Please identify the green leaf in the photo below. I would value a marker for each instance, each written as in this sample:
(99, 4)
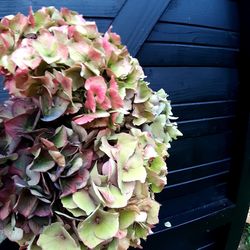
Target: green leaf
(55, 236)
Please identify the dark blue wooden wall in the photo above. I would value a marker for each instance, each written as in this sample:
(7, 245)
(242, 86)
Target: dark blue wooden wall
(192, 53)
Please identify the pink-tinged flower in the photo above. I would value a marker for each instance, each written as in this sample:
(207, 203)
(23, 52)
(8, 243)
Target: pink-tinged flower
(7, 42)
(49, 48)
(86, 118)
(113, 37)
(96, 92)
(115, 98)
(65, 82)
(31, 18)
(26, 57)
(18, 82)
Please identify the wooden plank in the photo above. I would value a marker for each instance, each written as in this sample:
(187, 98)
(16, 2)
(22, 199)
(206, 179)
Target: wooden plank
(198, 110)
(239, 190)
(188, 152)
(135, 21)
(95, 8)
(13, 7)
(180, 33)
(184, 188)
(206, 126)
(188, 84)
(221, 14)
(191, 200)
(162, 54)
(3, 93)
(200, 226)
(198, 171)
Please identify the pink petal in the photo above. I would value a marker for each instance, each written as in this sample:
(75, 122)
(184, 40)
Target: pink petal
(90, 101)
(106, 104)
(86, 118)
(31, 19)
(116, 99)
(107, 168)
(96, 91)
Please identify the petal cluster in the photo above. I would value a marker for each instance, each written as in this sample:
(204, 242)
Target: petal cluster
(83, 138)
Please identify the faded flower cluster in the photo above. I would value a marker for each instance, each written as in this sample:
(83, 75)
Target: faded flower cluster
(83, 139)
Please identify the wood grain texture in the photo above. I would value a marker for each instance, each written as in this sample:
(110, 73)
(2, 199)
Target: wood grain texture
(209, 223)
(206, 126)
(221, 14)
(194, 84)
(135, 26)
(95, 8)
(199, 110)
(199, 150)
(198, 171)
(163, 54)
(191, 200)
(181, 33)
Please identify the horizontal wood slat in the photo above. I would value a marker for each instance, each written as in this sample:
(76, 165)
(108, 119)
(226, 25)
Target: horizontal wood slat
(159, 54)
(221, 14)
(199, 171)
(207, 223)
(179, 33)
(95, 8)
(184, 188)
(206, 126)
(194, 84)
(198, 110)
(135, 26)
(188, 152)
(200, 197)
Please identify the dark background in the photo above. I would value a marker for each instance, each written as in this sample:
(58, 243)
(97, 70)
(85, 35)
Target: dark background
(193, 53)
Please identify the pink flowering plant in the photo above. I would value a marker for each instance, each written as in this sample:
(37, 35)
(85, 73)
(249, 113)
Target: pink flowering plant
(83, 139)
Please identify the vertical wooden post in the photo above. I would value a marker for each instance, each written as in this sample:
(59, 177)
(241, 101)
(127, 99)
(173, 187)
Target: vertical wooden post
(239, 185)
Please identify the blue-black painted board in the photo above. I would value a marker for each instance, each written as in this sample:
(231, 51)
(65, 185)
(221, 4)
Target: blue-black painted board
(163, 54)
(194, 84)
(199, 110)
(192, 200)
(222, 14)
(206, 126)
(95, 8)
(208, 223)
(189, 152)
(198, 171)
(135, 21)
(181, 33)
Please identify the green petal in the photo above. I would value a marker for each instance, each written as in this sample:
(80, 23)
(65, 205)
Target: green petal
(158, 164)
(60, 138)
(108, 225)
(55, 236)
(84, 201)
(77, 212)
(127, 217)
(99, 227)
(68, 202)
(13, 233)
(143, 93)
(134, 170)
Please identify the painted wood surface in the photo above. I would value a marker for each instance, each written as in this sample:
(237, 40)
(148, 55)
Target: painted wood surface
(191, 49)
